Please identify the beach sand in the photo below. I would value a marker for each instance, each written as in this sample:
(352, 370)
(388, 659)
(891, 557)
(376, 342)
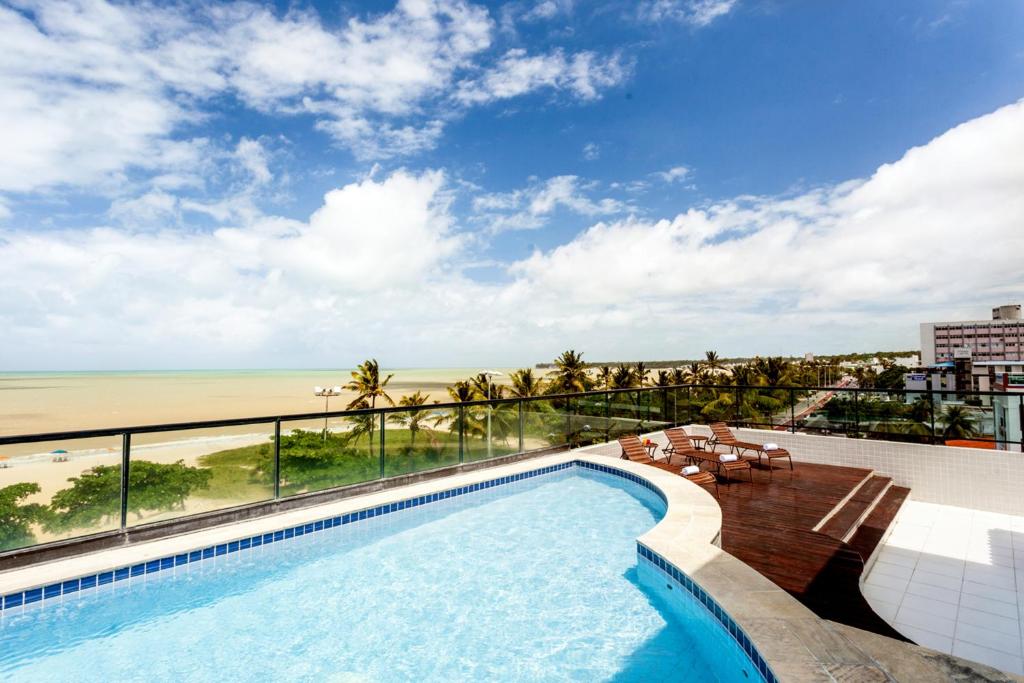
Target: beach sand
(32, 403)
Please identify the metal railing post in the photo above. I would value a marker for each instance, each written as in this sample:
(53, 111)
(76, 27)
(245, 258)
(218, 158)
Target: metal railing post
(689, 405)
(931, 411)
(277, 458)
(737, 415)
(856, 415)
(126, 448)
(521, 425)
(383, 421)
(462, 435)
(1020, 421)
(792, 412)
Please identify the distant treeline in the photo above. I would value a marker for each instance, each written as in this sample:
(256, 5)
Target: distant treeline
(822, 358)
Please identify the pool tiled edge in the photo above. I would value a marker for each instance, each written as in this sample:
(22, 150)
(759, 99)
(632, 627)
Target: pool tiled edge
(735, 631)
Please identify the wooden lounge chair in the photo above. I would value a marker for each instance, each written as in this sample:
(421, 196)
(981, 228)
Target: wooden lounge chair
(699, 478)
(724, 436)
(679, 442)
(633, 450)
(703, 479)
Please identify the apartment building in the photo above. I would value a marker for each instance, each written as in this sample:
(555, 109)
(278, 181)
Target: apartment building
(998, 339)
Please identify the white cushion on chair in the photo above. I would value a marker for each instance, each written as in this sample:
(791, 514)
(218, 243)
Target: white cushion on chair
(771, 447)
(728, 457)
(690, 469)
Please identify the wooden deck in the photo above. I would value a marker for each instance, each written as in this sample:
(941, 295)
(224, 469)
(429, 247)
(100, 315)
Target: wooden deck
(769, 525)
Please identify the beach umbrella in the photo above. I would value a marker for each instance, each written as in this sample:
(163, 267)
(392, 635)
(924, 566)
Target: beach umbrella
(58, 451)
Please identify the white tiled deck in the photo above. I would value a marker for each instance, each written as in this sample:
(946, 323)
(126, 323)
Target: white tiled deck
(952, 579)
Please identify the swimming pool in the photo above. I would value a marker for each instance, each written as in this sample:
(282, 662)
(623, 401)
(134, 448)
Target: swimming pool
(539, 579)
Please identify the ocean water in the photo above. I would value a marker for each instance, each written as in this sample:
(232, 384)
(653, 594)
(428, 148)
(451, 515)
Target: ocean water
(533, 581)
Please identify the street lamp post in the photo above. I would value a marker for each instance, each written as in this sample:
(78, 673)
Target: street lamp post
(327, 393)
(489, 374)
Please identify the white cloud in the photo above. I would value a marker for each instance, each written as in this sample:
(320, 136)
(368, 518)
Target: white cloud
(252, 157)
(584, 74)
(673, 175)
(173, 294)
(377, 270)
(529, 207)
(894, 245)
(94, 93)
(591, 151)
(544, 10)
(697, 13)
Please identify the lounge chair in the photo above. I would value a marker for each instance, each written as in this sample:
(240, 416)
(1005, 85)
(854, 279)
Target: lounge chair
(721, 434)
(679, 442)
(633, 450)
(699, 478)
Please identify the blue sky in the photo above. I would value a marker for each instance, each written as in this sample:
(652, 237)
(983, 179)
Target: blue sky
(441, 182)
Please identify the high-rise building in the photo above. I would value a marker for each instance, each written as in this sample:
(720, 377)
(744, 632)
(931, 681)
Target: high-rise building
(998, 339)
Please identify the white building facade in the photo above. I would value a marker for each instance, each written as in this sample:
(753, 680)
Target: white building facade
(1000, 339)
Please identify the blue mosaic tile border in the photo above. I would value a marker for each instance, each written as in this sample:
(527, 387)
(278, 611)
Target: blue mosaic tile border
(681, 579)
(71, 586)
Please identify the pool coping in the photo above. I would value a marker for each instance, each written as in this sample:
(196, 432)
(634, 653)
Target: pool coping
(683, 545)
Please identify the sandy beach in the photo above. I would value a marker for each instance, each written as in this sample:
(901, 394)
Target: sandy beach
(39, 402)
(50, 402)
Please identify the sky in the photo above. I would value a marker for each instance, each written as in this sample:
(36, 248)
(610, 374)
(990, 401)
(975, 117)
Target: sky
(452, 183)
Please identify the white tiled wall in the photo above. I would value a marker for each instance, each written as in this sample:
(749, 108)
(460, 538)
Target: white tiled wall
(963, 477)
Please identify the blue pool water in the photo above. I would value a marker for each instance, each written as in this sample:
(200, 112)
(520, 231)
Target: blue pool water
(536, 580)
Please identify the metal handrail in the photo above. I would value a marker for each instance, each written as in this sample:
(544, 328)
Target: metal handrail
(271, 419)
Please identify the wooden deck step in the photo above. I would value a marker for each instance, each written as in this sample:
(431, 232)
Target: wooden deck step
(872, 530)
(843, 524)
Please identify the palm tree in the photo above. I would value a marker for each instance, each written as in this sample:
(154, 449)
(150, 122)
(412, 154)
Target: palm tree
(412, 419)
(623, 377)
(663, 379)
(363, 423)
(462, 391)
(484, 387)
(640, 372)
(712, 362)
(678, 376)
(694, 374)
(604, 377)
(570, 374)
(776, 371)
(959, 423)
(524, 384)
(367, 385)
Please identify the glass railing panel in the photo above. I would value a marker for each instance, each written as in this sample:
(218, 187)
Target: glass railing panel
(419, 439)
(656, 410)
(322, 454)
(763, 408)
(591, 421)
(56, 490)
(894, 416)
(185, 472)
(625, 413)
(713, 404)
(966, 420)
(546, 424)
(492, 430)
(827, 412)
